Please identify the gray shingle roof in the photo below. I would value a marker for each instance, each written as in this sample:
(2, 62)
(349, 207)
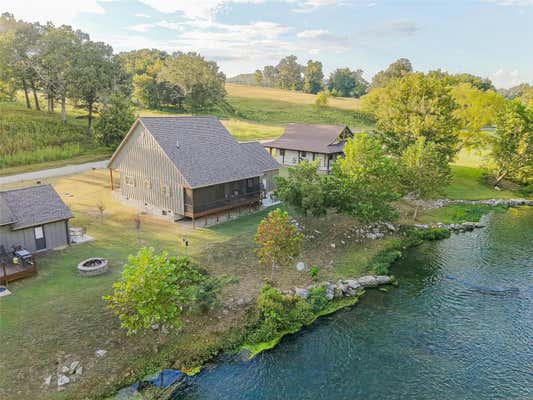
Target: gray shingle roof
(207, 154)
(6, 216)
(310, 137)
(33, 206)
(259, 155)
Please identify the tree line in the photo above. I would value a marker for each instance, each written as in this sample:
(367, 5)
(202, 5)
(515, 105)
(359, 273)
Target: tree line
(289, 74)
(61, 64)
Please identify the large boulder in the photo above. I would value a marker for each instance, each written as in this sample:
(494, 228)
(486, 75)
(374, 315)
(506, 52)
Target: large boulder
(368, 281)
(301, 292)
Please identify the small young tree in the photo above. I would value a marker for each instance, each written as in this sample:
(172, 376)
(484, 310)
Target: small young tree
(322, 98)
(303, 189)
(424, 171)
(513, 143)
(156, 289)
(101, 209)
(364, 182)
(279, 241)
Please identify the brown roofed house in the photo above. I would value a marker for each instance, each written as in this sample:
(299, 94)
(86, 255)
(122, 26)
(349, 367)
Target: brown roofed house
(34, 218)
(309, 142)
(189, 167)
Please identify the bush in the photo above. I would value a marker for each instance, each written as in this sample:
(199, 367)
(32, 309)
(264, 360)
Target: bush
(430, 234)
(313, 272)
(381, 262)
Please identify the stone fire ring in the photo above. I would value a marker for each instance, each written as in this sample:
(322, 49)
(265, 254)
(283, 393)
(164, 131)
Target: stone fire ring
(93, 267)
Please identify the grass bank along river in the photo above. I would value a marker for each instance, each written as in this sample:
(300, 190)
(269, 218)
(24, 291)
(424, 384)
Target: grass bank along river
(460, 326)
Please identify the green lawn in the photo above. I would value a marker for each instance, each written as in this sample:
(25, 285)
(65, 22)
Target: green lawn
(467, 184)
(59, 316)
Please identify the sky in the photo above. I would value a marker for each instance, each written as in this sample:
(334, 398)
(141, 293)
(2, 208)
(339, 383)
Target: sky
(490, 38)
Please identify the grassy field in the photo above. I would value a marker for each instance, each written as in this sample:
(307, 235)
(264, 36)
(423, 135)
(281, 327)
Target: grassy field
(58, 317)
(290, 96)
(31, 137)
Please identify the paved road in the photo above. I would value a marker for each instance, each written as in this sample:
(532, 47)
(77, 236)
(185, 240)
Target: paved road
(48, 173)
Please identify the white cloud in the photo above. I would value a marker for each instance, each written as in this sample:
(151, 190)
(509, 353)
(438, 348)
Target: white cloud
(142, 15)
(394, 28)
(60, 11)
(313, 34)
(193, 8)
(306, 6)
(174, 26)
(141, 27)
(507, 78)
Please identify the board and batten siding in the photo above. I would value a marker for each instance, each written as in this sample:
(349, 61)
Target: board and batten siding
(55, 234)
(145, 170)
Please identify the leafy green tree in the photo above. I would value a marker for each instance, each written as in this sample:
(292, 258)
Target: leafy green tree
(364, 182)
(278, 241)
(512, 144)
(199, 80)
(397, 69)
(476, 110)
(116, 117)
(57, 48)
(303, 189)
(92, 76)
(313, 77)
(157, 289)
(414, 106)
(322, 98)
(424, 171)
(270, 76)
(289, 73)
(477, 82)
(346, 83)
(18, 46)
(258, 76)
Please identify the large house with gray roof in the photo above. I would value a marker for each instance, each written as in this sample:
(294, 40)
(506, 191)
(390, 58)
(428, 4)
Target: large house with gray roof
(307, 142)
(189, 167)
(34, 218)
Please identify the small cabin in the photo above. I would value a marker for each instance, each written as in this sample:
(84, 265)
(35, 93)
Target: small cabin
(309, 142)
(34, 218)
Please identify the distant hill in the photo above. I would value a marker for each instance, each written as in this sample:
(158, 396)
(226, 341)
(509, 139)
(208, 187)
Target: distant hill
(243, 79)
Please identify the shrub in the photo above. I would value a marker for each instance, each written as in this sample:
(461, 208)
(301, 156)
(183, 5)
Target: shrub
(313, 272)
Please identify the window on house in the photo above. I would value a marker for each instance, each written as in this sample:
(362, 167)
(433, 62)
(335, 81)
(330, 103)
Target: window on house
(281, 152)
(303, 154)
(129, 181)
(165, 189)
(250, 183)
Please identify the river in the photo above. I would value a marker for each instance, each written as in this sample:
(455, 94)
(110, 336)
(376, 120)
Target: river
(459, 326)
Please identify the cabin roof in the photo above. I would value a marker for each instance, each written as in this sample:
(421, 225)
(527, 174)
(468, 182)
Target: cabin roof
(32, 206)
(315, 138)
(202, 150)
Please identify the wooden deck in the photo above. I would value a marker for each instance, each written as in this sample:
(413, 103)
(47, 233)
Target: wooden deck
(10, 272)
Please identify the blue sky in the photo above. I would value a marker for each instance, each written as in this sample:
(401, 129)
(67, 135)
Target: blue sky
(492, 38)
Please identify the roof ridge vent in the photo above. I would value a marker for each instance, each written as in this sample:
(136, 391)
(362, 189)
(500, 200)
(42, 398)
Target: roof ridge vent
(178, 143)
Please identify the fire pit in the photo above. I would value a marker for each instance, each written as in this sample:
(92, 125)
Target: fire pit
(93, 267)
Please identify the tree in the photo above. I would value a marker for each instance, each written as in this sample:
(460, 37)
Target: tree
(363, 183)
(424, 171)
(414, 106)
(93, 75)
(477, 82)
(270, 76)
(57, 48)
(18, 43)
(512, 144)
(199, 81)
(289, 74)
(313, 77)
(157, 289)
(116, 118)
(476, 110)
(303, 189)
(258, 76)
(397, 69)
(346, 83)
(279, 241)
(322, 98)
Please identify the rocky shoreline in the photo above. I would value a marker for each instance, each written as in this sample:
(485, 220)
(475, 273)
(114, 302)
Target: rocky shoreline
(344, 287)
(439, 203)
